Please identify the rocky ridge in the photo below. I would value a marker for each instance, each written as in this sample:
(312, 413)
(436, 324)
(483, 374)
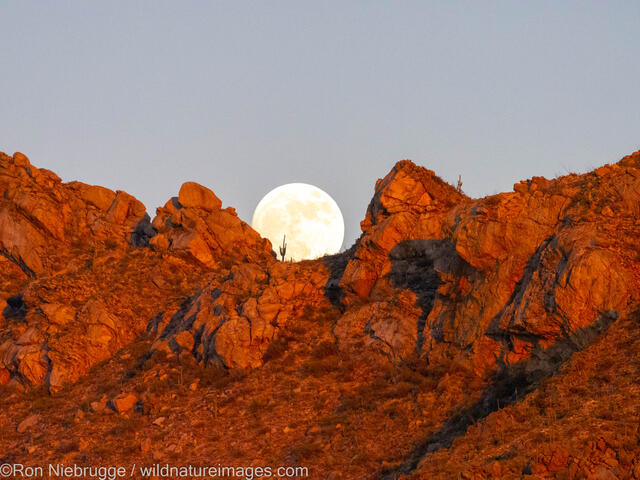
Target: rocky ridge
(489, 298)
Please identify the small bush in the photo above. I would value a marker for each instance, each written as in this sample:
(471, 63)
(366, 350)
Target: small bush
(127, 426)
(297, 329)
(333, 420)
(276, 349)
(306, 450)
(41, 399)
(319, 367)
(324, 349)
(68, 447)
(255, 407)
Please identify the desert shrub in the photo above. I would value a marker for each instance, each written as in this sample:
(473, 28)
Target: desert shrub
(296, 329)
(352, 403)
(126, 426)
(400, 390)
(110, 244)
(276, 349)
(578, 390)
(393, 410)
(169, 383)
(599, 379)
(40, 398)
(148, 359)
(333, 420)
(324, 349)
(606, 411)
(305, 451)
(215, 377)
(325, 315)
(367, 397)
(546, 397)
(322, 316)
(319, 367)
(238, 374)
(68, 447)
(540, 403)
(319, 402)
(416, 371)
(254, 407)
(261, 430)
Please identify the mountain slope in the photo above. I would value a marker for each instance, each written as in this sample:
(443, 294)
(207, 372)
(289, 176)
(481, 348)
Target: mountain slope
(490, 337)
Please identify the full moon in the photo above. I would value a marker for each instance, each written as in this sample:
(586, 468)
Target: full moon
(308, 216)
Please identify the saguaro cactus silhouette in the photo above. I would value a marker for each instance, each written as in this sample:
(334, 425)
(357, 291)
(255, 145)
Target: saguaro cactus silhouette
(283, 248)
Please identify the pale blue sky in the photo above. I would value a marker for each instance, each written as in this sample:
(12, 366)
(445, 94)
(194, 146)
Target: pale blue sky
(245, 96)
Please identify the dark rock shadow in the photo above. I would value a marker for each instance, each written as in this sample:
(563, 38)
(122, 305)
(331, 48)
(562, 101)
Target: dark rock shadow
(336, 264)
(16, 309)
(417, 265)
(142, 233)
(517, 297)
(511, 383)
(20, 263)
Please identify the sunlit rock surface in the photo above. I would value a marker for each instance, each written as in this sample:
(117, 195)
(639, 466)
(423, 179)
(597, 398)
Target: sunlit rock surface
(458, 337)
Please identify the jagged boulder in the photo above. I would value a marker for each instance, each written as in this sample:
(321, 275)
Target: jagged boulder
(410, 202)
(195, 223)
(42, 220)
(435, 274)
(233, 321)
(495, 278)
(194, 195)
(79, 284)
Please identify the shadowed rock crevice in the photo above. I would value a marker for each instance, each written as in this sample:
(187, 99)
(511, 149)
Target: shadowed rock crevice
(21, 264)
(418, 265)
(16, 309)
(518, 296)
(511, 383)
(183, 319)
(336, 264)
(142, 233)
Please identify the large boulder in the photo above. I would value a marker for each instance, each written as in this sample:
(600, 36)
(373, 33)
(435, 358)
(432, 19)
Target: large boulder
(194, 223)
(234, 319)
(43, 221)
(498, 277)
(194, 195)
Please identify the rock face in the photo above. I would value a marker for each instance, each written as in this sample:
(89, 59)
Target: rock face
(81, 281)
(434, 274)
(39, 214)
(499, 277)
(445, 317)
(195, 223)
(234, 320)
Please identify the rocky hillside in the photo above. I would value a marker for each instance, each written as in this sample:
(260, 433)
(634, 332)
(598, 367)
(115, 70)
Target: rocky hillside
(458, 338)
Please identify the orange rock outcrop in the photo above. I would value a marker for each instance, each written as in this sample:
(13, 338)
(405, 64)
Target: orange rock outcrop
(403, 356)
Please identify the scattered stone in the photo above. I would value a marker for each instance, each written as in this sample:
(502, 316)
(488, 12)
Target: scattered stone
(29, 422)
(100, 405)
(5, 377)
(79, 415)
(125, 402)
(145, 445)
(195, 195)
(159, 421)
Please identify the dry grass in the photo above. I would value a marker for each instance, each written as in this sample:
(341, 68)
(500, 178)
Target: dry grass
(352, 412)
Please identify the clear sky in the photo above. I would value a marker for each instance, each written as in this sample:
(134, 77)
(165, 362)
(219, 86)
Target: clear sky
(245, 96)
